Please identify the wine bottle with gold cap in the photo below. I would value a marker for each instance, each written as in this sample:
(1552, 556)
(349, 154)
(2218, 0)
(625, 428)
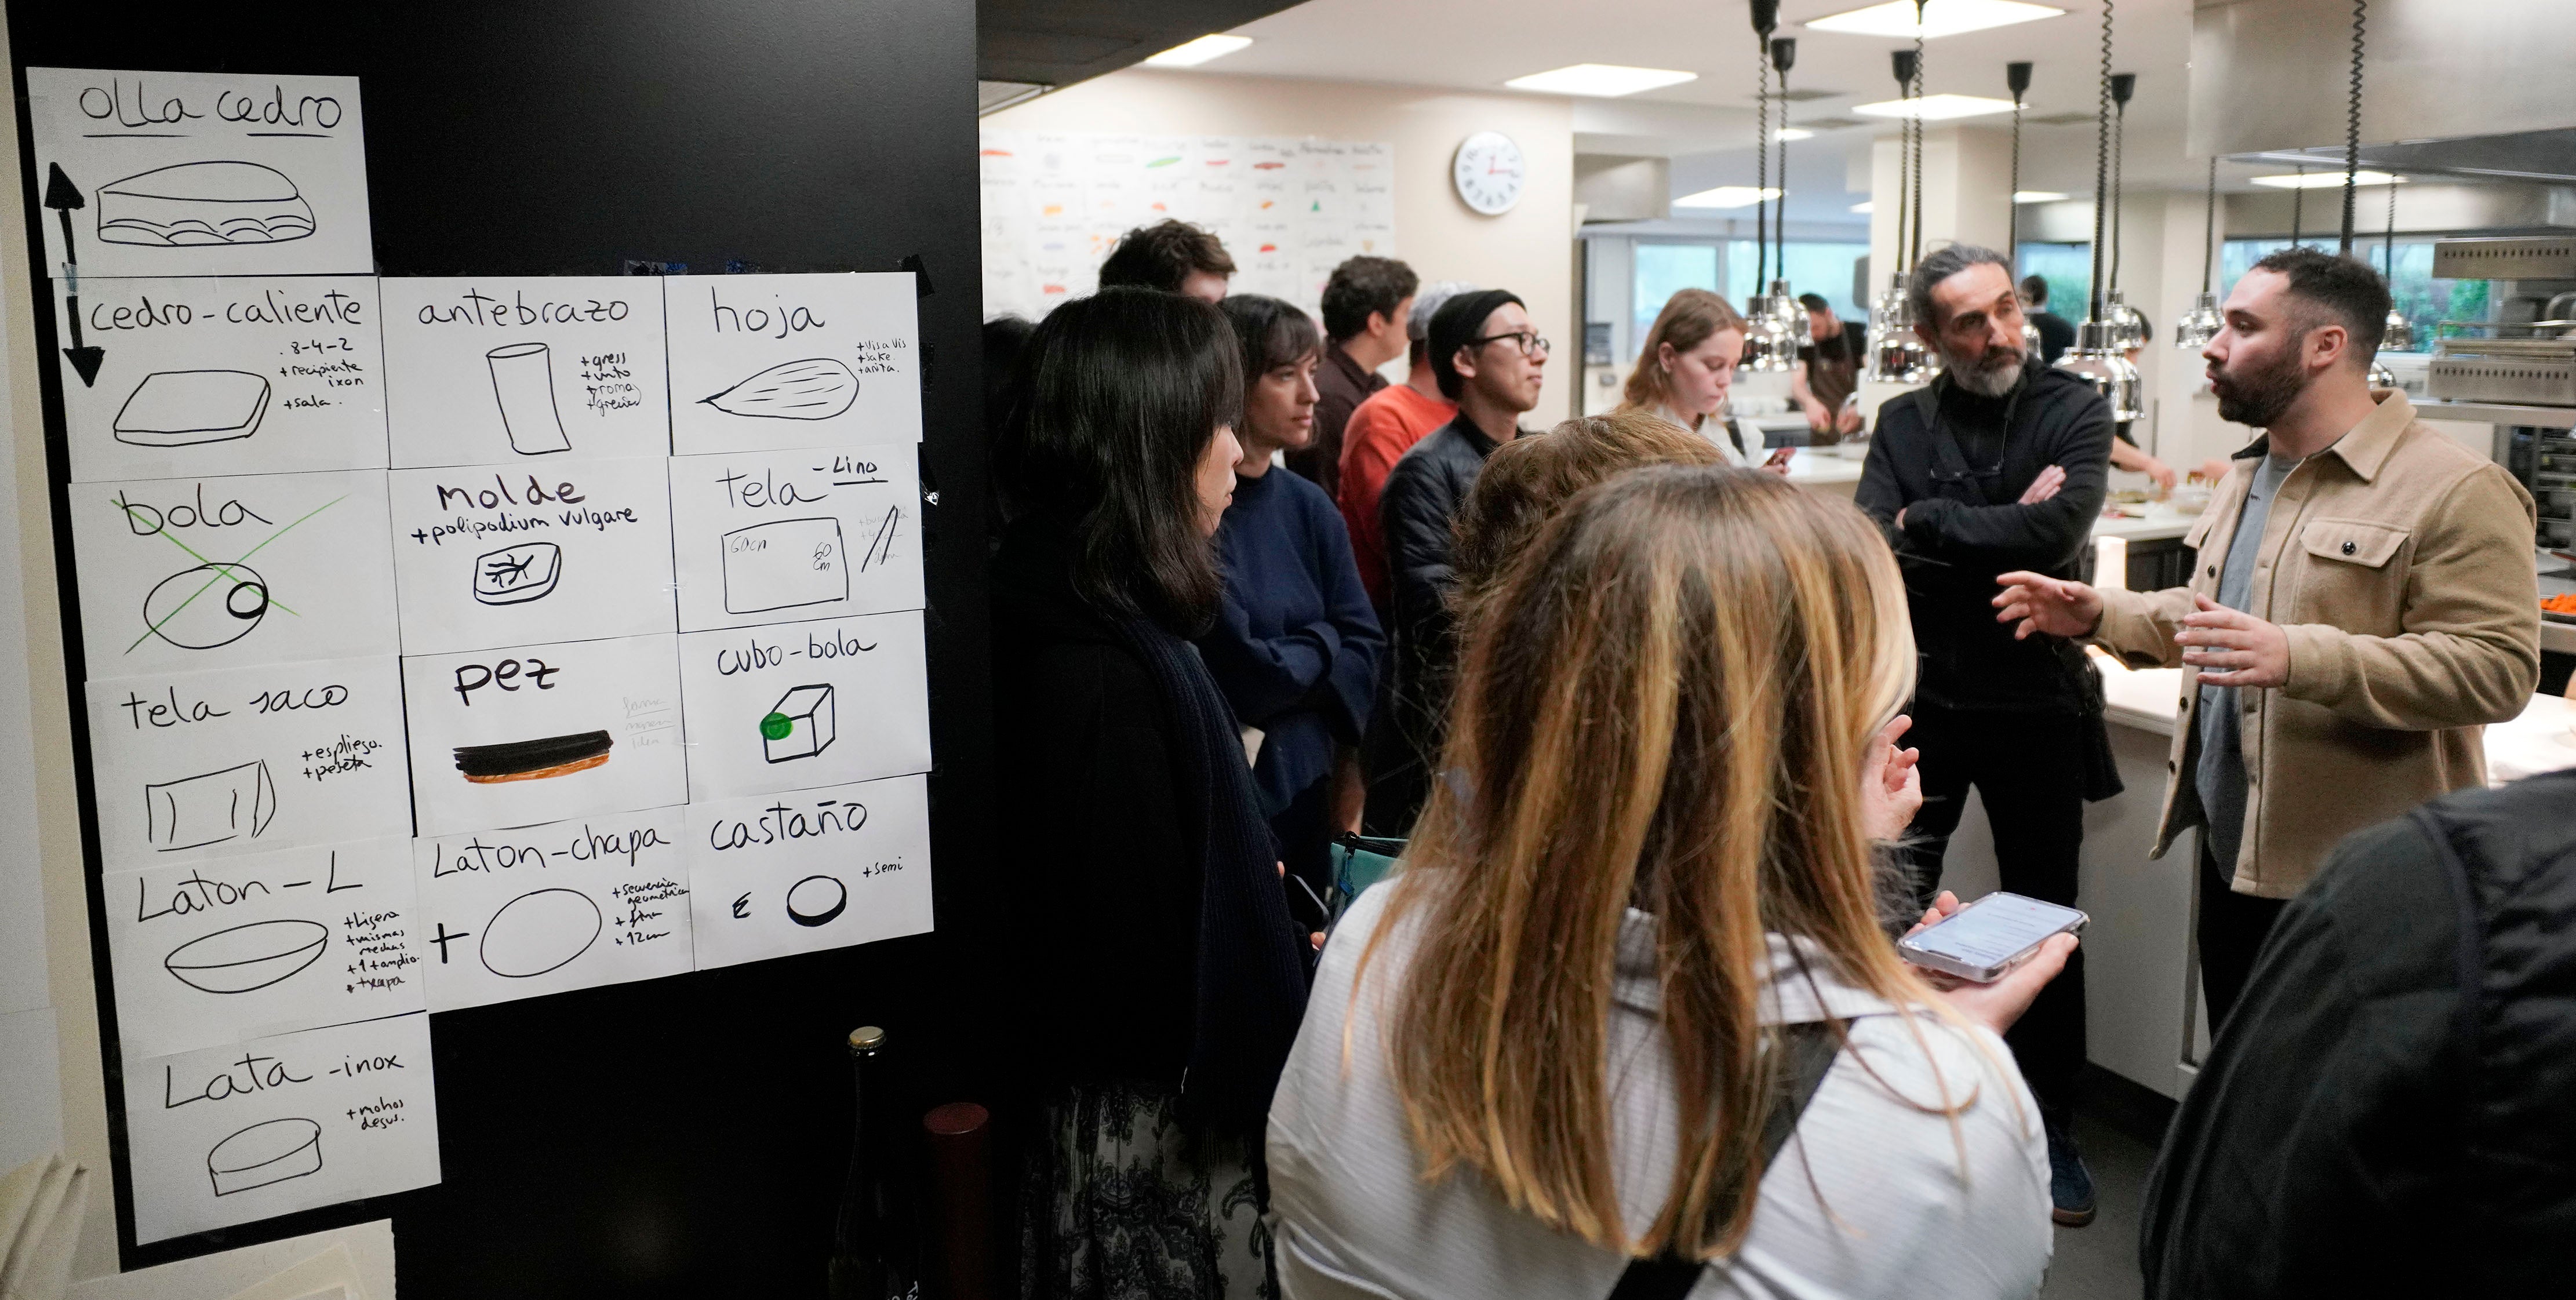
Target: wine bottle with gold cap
(873, 1253)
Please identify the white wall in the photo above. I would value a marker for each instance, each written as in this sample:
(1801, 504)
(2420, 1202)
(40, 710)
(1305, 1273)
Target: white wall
(1528, 250)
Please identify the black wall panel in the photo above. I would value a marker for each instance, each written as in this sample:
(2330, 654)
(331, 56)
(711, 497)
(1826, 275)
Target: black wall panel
(682, 1137)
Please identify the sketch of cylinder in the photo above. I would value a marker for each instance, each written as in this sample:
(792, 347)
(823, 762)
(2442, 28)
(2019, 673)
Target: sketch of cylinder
(209, 808)
(523, 381)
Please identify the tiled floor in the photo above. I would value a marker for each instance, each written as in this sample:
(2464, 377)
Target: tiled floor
(2099, 1261)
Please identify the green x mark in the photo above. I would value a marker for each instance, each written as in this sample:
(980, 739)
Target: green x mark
(222, 568)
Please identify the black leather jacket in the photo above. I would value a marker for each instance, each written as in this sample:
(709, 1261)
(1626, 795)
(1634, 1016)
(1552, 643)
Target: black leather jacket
(1416, 511)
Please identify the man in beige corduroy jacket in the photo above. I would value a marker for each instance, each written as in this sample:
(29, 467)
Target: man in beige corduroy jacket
(2362, 602)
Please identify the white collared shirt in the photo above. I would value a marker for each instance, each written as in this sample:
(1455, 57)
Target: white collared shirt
(1713, 428)
(1892, 1209)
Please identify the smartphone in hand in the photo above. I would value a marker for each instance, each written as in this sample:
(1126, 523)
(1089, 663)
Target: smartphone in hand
(1987, 938)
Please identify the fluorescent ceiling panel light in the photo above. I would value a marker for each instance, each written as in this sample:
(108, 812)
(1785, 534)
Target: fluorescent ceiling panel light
(1194, 53)
(1726, 196)
(1935, 108)
(2036, 196)
(1604, 80)
(1864, 206)
(2327, 180)
(1793, 133)
(1940, 18)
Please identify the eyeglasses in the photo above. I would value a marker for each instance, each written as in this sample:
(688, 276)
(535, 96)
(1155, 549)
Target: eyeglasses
(1531, 342)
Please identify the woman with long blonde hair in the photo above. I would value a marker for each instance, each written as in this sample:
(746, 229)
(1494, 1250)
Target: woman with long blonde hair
(1546, 1050)
(1685, 370)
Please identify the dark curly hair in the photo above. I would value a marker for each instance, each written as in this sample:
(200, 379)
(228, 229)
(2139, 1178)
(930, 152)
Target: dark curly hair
(1164, 256)
(1362, 285)
(2334, 288)
(1115, 400)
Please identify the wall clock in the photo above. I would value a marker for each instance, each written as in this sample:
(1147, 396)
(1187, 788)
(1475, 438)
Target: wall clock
(1489, 172)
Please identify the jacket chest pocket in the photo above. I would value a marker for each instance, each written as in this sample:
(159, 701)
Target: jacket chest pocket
(2350, 574)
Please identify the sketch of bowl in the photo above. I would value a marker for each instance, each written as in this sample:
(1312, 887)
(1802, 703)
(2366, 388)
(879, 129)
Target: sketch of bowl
(248, 957)
(264, 1153)
(539, 932)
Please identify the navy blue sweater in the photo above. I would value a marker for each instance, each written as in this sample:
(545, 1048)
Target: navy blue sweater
(1296, 645)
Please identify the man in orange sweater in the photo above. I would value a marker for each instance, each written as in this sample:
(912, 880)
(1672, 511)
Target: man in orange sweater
(1381, 431)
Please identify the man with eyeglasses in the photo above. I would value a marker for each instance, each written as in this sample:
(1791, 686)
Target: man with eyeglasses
(1998, 466)
(1490, 360)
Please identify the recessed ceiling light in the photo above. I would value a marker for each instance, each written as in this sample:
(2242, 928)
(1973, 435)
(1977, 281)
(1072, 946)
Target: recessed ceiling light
(1606, 80)
(1793, 133)
(1726, 196)
(1935, 108)
(2327, 180)
(1940, 18)
(1864, 206)
(2036, 196)
(1194, 53)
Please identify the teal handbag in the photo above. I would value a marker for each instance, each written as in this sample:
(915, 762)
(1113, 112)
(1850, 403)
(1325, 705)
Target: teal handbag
(1360, 861)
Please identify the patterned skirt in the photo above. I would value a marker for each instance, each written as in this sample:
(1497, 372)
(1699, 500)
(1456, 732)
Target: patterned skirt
(1123, 1201)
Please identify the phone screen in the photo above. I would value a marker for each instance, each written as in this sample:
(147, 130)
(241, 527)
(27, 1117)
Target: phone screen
(1995, 930)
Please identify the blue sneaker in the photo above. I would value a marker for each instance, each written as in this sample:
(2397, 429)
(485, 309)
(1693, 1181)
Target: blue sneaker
(2070, 1184)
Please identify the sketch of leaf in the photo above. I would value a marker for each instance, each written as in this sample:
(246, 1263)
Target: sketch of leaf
(816, 388)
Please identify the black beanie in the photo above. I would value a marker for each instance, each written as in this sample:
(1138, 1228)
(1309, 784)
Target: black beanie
(1456, 322)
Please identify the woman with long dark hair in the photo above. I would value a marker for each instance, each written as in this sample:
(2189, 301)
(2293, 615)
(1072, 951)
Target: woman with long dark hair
(1162, 973)
(1296, 647)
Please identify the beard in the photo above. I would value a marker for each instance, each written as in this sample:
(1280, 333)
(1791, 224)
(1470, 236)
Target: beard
(1990, 373)
(2256, 394)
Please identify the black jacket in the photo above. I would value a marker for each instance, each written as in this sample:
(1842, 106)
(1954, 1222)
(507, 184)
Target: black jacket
(1417, 511)
(2391, 1110)
(1963, 528)
(1150, 931)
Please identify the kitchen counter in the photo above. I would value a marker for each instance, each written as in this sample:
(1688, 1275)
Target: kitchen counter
(2542, 739)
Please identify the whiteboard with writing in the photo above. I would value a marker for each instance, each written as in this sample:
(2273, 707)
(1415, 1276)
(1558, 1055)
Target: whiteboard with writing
(509, 370)
(779, 362)
(225, 375)
(220, 952)
(568, 905)
(195, 573)
(200, 173)
(252, 1130)
(791, 706)
(506, 555)
(518, 735)
(447, 641)
(191, 766)
(811, 870)
(765, 536)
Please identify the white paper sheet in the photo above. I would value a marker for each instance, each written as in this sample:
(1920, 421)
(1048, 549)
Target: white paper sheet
(628, 689)
(237, 375)
(195, 573)
(202, 173)
(546, 909)
(489, 555)
(765, 537)
(193, 766)
(493, 369)
(776, 362)
(775, 875)
(242, 1273)
(253, 1130)
(222, 952)
(793, 706)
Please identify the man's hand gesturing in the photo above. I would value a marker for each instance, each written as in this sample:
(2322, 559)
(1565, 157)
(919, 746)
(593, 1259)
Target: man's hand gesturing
(2038, 603)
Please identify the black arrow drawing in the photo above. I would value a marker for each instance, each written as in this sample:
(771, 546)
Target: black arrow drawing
(62, 197)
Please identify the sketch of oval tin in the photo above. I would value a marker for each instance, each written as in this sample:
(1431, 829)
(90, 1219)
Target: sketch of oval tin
(264, 1153)
(539, 932)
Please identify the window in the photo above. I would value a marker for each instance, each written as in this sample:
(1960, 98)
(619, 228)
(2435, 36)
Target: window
(2068, 268)
(1663, 270)
(1830, 271)
(2423, 300)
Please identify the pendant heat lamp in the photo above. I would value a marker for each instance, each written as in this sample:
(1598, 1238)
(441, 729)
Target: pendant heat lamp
(1770, 332)
(2017, 80)
(2096, 358)
(1897, 354)
(2203, 322)
(2128, 328)
(2398, 335)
